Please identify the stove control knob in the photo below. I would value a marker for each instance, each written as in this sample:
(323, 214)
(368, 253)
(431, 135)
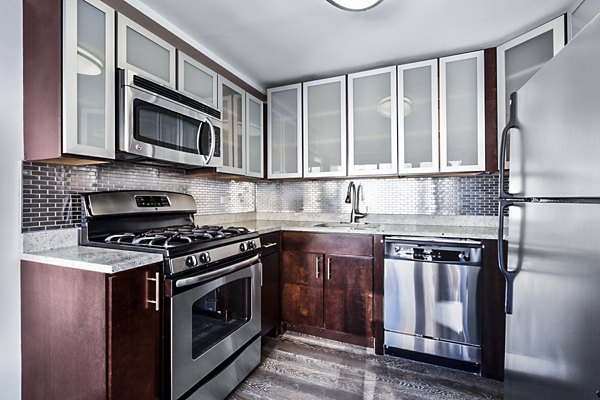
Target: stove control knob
(243, 247)
(191, 261)
(251, 244)
(204, 258)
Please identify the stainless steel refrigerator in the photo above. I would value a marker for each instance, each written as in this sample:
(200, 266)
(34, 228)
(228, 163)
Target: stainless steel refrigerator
(553, 267)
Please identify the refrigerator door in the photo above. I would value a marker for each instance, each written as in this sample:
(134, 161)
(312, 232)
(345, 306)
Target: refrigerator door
(553, 335)
(555, 150)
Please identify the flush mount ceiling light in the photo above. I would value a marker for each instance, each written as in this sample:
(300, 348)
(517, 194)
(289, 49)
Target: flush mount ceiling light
(355, 5)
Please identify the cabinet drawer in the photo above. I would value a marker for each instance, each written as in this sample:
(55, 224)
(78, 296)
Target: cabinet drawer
(329, 243)
(271, 242)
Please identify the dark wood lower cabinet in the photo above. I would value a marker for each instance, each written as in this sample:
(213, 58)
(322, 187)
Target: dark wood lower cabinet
(327, 285)
(89, 335)
(271, 290)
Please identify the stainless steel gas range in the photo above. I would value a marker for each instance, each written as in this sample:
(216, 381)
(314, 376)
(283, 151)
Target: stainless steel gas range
(210, 285)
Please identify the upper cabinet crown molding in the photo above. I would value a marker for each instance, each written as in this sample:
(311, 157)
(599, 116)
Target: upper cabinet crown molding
(144, 52)
(284, 137)
(520, 58)
(324, 127)
(372, 123)
(462, 113)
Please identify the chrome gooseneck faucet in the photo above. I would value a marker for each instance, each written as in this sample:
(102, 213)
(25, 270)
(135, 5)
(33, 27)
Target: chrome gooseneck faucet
(353, 197)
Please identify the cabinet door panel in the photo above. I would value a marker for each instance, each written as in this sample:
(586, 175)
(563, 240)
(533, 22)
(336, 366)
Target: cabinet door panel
(348, 300)
(134, 335)
(284, 139)
(271, 301)
(232, 101)
(302, 288)
(197, 80)
(254, 137)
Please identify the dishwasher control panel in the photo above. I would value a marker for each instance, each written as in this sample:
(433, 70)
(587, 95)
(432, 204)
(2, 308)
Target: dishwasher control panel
(436, 250)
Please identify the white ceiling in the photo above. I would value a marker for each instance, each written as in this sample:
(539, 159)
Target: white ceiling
(274, 42)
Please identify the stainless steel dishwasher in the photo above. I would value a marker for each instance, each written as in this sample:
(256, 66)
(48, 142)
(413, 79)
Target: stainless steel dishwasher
(432, 300)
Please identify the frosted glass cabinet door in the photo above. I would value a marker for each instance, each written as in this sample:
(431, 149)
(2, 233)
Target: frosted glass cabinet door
(88, 79)
(284, 136)
(145, 53)
(254, 137)
(233, 133)
(462, 118)
(324, 127)
(372, 123)
(196, 80)
(418, 147)
(519, 59)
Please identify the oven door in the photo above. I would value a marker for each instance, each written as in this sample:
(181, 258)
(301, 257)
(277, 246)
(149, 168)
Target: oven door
(156, 127)
(212, 320)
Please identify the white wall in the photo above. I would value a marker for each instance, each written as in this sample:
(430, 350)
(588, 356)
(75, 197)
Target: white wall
(11, 153)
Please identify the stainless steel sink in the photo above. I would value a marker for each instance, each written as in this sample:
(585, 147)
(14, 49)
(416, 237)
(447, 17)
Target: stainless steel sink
(351, 225)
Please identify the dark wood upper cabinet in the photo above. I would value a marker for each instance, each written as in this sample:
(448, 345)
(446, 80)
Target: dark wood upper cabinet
(327, 285)
(89, 335)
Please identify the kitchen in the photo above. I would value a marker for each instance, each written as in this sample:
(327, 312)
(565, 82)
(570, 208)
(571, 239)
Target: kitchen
(301, 184)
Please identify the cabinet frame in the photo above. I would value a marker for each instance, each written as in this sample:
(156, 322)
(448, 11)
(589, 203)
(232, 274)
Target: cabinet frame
(480, 166)
(260, 174)
(557, 26)
(343, 114)
(435, 143)
(122, 24)
(270, 173)
(182, 58)
(70, 132)
(393, 170)
(226, 168)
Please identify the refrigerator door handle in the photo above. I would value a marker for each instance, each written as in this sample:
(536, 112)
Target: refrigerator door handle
(512, 123)
(509, 276)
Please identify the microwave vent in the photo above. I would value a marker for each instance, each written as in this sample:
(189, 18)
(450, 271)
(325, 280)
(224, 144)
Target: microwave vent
(174, 95)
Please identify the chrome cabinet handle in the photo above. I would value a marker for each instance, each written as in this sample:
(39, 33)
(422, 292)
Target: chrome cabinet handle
(509, 125)
(156, 301)
(509, 276)
(328, 268)
(317, 267)
(267, 245)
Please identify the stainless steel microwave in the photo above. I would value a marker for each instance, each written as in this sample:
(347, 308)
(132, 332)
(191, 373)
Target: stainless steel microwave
(159, 125)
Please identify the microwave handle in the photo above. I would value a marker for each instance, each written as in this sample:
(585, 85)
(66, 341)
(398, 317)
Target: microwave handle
(211, 152)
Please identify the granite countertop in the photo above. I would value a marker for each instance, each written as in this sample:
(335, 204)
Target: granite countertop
(60, 247)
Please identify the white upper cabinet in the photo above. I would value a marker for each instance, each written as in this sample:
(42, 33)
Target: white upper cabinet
(462, 113)
(519, 59)
(196, 80)
(141, 51)
(418, 145)
(232, 101)
(324, 127)
(284, 138)
(254, 137)
(88, 79)
(372, 123)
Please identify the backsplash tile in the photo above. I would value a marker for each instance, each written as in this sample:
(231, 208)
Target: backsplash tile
(463, 195)
(51, 192)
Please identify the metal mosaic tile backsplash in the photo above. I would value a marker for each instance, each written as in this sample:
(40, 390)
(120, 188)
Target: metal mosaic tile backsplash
(51, 192)
(464, 195)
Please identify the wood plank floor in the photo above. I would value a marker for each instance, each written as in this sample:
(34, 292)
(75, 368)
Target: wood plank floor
(307, 368)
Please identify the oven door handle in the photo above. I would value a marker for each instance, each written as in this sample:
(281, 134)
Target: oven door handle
(214, 274)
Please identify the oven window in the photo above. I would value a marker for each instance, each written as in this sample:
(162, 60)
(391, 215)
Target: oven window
(219, 313)
(165, 128)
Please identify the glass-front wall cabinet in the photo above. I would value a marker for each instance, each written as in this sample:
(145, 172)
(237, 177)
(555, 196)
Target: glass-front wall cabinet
(88, 79)
(233, 115)
(372, 123)
(418, 145)
(284, 137)
(254, 137)
(196, 80)
(519, 59)
(142, 51)
(324, 127)
(462, 114)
